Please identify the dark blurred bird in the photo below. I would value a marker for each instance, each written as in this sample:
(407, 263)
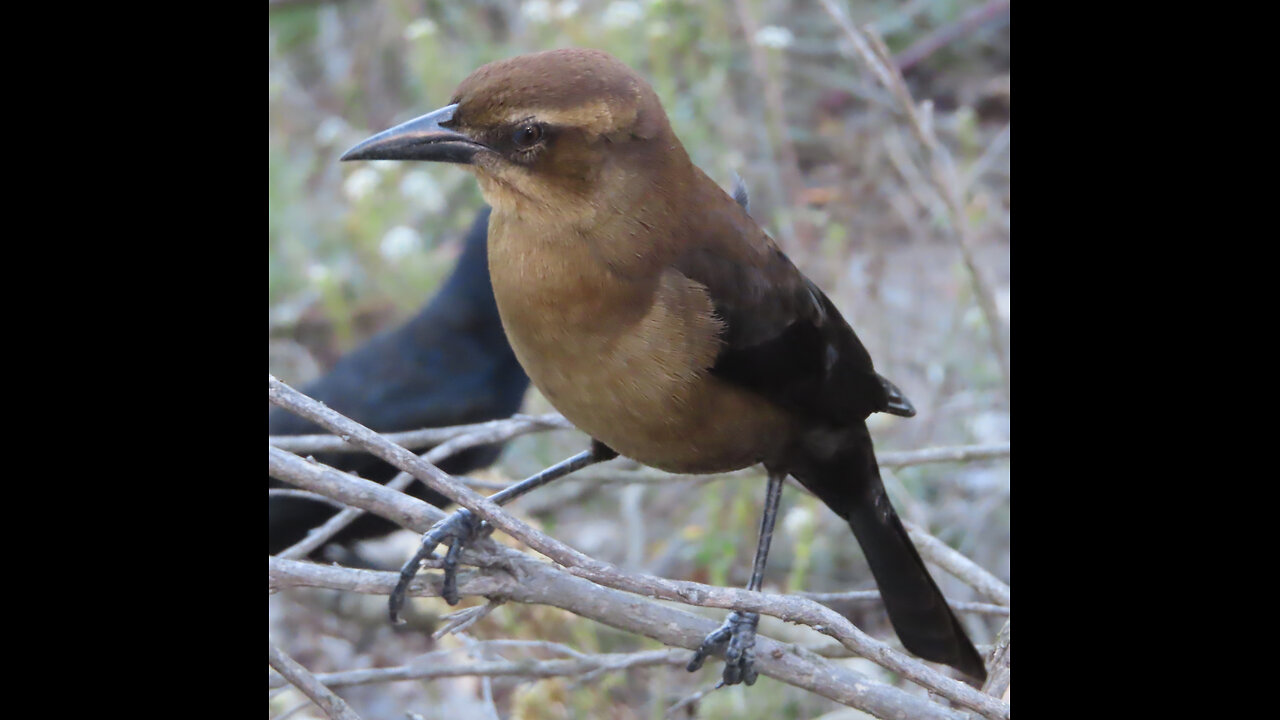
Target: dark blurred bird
(658, 317)
(449, 365)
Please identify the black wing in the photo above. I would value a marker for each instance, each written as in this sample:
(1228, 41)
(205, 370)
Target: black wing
(783, 337)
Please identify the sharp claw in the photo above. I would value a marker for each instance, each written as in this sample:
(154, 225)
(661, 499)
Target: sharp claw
(699, 657)
(736, 638)
(407, 572)
(450, 590)
(462, 528)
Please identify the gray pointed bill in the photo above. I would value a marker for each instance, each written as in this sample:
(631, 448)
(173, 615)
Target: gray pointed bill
(422, 138)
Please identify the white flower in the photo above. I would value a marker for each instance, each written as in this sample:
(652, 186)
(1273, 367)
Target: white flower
(421, 187)
(622, 13)
(538, 11)
(775, 37)
(420, 28)
(360, 183)
(400, 241)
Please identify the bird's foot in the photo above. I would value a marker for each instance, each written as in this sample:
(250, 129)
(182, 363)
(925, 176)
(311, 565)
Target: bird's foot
(459, 528)
(737, 638)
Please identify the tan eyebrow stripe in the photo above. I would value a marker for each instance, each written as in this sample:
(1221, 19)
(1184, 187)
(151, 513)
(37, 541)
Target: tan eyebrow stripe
(597, 117)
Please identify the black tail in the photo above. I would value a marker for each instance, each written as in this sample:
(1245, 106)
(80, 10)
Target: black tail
(850, 485)
(895, 403)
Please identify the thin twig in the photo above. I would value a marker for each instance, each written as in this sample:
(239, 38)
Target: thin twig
(465, 618)
(994, 150)
(793, 227)
(529, 668)
(889, 459)
(918, 186)
(481, 653)
(452, 440)
(544, 584)
(792, 609)
(874, 596)
(545, 645)
(937, 552)
(505, 429)
(871, 50)
(957, 453)
(695, 697)
(971, 20)
(301, 678)
(997, 684)
(303, 495)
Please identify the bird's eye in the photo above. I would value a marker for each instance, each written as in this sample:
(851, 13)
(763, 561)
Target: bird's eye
(526, 136)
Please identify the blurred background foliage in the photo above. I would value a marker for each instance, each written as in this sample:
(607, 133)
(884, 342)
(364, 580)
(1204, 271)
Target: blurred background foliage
(767, 89)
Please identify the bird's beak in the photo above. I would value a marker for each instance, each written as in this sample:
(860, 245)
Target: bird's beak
(419, 139)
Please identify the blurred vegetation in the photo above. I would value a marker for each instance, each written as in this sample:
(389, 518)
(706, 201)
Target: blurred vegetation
(356, 248)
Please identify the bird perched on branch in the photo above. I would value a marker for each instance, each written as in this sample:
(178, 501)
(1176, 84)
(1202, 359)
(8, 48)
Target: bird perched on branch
(658, 317)
(449, 365)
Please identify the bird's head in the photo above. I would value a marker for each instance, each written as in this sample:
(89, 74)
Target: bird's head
(552, 130)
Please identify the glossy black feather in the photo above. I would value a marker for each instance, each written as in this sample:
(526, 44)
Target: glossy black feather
(449, 365)
(783, 337)
(848, 481)
(785, 340)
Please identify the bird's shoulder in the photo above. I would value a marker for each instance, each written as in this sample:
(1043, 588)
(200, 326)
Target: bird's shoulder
(782, 337)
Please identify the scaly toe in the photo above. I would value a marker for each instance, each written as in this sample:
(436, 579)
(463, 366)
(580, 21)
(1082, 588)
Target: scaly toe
(736, 638)
(461, 527)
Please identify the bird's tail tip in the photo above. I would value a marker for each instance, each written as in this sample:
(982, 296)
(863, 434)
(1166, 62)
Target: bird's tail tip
(740, 194)
(895, 402)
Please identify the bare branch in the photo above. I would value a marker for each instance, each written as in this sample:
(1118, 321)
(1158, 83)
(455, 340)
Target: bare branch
(870, 49)
(528, 668)
(994, 150)
(465, 618)
(545, 645)
(452, 440)
(695, 697)
(890, 459)
(301, 678)
(959, 453)
(792, 226)
(937, 552)
(544, 584)
(304, 495)
(874, 596)
(789, 608)
(997, 684)
(499, 430)
(971, 20)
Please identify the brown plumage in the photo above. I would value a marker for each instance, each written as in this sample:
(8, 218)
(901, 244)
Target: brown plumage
(657, 316)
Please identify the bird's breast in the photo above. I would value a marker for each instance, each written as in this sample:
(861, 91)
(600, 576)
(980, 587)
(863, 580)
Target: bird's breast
(628, 360)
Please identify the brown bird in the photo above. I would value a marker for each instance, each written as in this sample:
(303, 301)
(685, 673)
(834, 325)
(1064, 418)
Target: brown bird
(657, 316)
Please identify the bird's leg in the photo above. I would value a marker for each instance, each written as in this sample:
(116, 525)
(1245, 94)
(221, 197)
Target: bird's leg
(737, 636)
(463, 526)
